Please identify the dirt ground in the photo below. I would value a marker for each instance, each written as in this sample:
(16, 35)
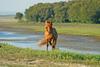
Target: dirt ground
(40, 63)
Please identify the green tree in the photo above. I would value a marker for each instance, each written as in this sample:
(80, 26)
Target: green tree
(82, 11)
(19, 16)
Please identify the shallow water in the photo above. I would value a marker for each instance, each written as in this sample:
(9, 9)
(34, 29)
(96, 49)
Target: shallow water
(72, 43)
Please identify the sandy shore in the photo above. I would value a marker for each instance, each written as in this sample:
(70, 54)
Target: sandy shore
(41, 63)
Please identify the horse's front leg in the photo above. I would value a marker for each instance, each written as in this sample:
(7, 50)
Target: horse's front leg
(47, 46)
(53, 44)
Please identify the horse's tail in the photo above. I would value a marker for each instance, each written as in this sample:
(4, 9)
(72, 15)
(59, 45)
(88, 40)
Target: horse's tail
(43, 42)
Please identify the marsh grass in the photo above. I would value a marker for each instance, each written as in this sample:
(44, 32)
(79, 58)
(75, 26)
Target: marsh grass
(9, 52)
(62, 28)
(79, 29)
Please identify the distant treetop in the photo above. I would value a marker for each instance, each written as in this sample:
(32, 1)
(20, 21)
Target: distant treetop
(82, 11)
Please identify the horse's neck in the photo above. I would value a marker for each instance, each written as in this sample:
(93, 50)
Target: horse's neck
(49, 29)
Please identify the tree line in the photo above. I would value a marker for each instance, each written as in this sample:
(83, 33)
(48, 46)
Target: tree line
(74, 11)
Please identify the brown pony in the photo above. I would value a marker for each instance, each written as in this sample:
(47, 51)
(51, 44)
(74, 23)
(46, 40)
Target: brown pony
(50, 35)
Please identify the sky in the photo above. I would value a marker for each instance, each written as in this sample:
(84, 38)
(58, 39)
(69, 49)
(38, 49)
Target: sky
(20, 5)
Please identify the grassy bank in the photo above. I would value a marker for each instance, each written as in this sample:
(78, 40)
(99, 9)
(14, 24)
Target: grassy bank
(79, 29)
(27, 56)
(69, 29)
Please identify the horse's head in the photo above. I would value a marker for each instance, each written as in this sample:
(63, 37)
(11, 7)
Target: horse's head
(48, 23)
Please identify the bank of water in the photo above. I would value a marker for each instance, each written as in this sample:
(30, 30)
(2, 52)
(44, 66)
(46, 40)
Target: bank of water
(71, 43)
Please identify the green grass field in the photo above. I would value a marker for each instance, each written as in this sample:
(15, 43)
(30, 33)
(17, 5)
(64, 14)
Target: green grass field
(79, 29)
(21, 57)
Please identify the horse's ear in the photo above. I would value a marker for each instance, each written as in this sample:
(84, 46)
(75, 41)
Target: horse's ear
(48, 22)
(51, 22)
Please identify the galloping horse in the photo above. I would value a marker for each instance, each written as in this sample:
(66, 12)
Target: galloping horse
(50, 35)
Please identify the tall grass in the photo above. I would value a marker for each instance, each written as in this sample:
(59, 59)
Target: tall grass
(79, 29)
(14, 53)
